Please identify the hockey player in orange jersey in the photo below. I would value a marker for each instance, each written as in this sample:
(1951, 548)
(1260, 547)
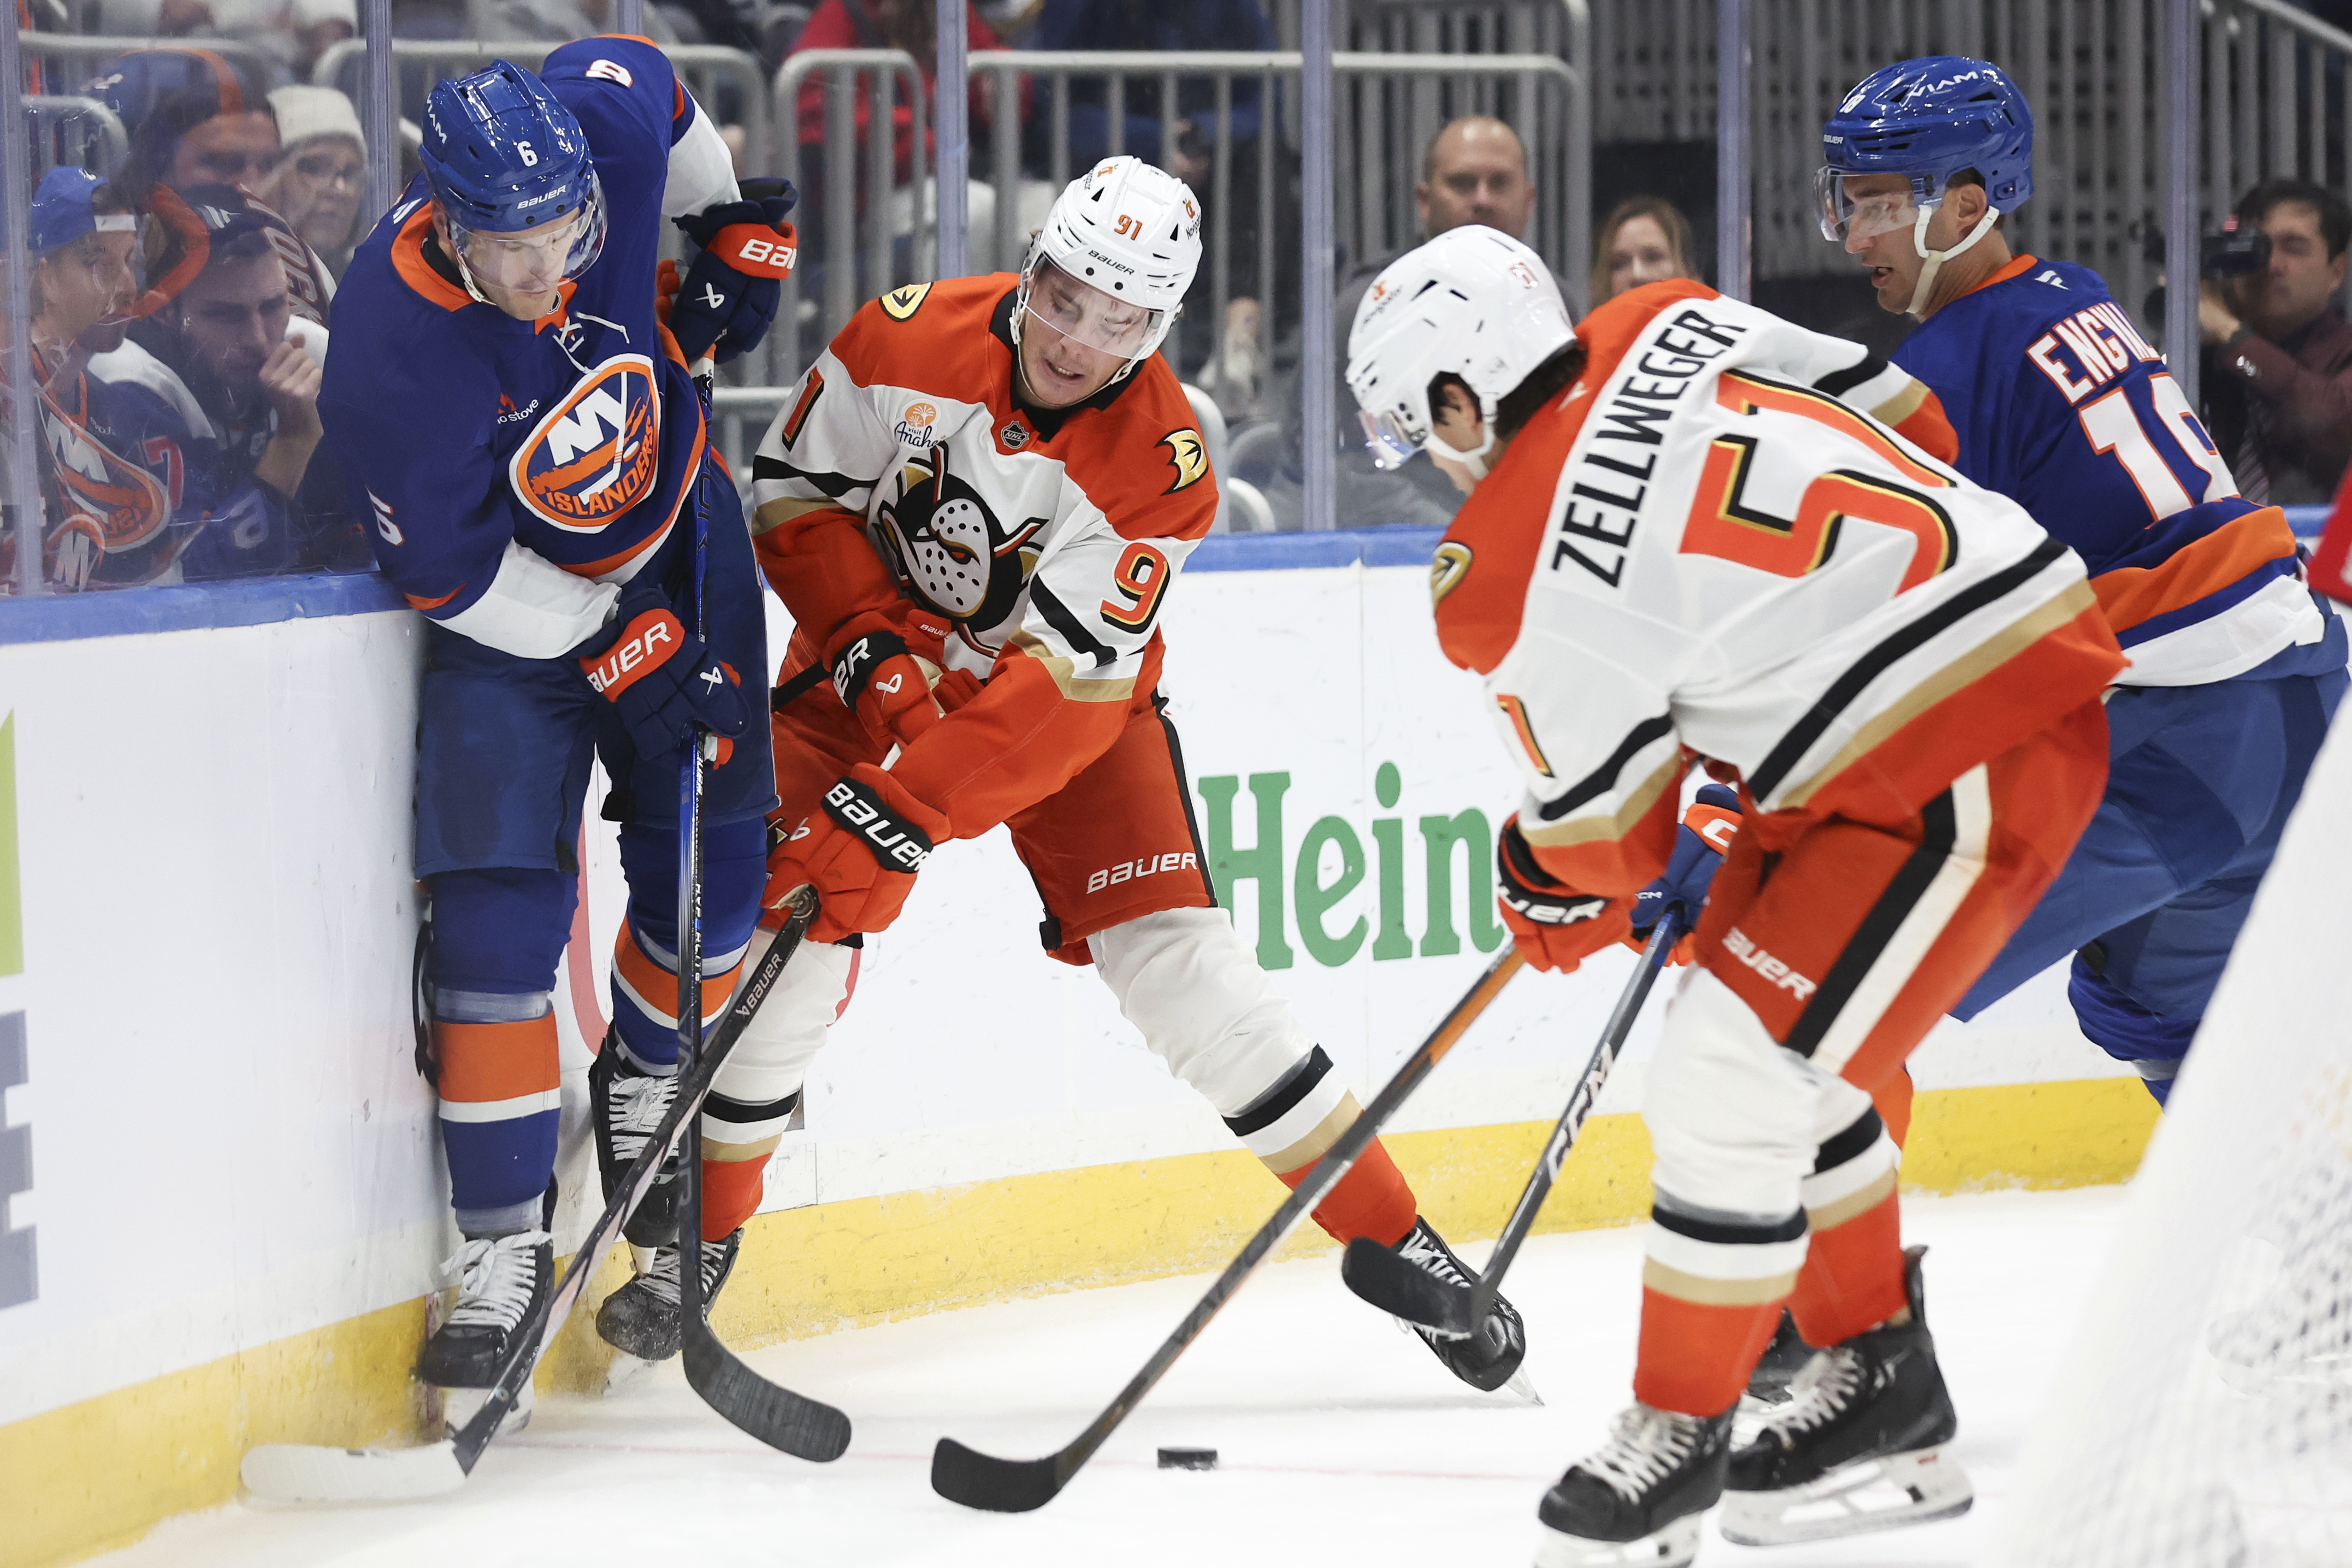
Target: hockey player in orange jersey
(975, 505)
(1697, 532)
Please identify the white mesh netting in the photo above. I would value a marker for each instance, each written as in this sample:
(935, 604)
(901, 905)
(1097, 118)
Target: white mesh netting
(2203, 1418)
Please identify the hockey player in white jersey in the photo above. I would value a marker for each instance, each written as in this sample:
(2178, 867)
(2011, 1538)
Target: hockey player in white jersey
(975, 505)
(1688, 539)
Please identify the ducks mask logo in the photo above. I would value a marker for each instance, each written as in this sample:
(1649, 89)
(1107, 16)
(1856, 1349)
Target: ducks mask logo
(948, 545)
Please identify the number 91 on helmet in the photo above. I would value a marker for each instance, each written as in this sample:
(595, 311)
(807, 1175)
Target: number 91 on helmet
(509, 166)
(1111, 265)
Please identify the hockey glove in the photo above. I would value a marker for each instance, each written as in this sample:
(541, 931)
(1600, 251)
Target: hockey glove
(662, 678)
(860, 848)
(884, 664)
(1555, 926)
(731, 289)
(1700, 844)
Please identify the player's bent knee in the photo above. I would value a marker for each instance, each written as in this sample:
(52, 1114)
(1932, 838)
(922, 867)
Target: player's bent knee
(1183, 979)
(772, 1056)
(1732, 1114)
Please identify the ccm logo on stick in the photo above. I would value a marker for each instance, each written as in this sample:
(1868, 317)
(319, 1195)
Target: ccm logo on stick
(1147, 866)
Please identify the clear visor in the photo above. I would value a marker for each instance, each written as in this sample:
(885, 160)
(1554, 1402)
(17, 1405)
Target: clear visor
(1085, 314)
(1387, 439)
(1851, 219)
(534, 260)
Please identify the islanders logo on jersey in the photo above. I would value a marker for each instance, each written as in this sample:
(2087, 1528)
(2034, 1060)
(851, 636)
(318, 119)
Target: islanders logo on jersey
(595, 453)
(948, 546)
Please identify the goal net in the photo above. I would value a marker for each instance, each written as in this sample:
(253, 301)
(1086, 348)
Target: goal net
(2202, 1415)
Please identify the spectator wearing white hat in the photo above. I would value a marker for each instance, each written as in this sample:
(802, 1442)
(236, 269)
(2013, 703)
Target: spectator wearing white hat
(318, 180)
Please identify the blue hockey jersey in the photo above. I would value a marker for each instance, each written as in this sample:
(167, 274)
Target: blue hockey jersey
(2058, 401)
(515, 471)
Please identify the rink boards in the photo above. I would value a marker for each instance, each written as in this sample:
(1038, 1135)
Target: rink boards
(228, 1200)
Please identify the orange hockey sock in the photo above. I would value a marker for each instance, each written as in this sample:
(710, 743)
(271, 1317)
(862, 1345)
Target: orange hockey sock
(1372, 1199)
(730, 1191)
(1892, 1099)
(1696, 1357)
(1853, 1277)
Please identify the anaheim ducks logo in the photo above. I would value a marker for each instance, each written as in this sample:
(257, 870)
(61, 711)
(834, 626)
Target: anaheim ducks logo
(1187, 455)
(595, 453)
(948, 545)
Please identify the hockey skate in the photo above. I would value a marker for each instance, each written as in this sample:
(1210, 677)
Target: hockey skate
(1488, 1360)
(499, 1281)
(645, 1317)
(1788, 1352)
(1637, 1499)
(1859, 1444)
(626, 1106)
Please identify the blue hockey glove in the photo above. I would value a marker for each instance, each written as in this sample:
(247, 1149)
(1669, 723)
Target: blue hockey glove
(732, 289)
(662, 678)
(1706, 833)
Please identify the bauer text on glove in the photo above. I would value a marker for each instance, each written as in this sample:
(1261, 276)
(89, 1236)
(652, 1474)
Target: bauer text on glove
(731, 289)
(1554, 926)
(860, 847)
(664, 680)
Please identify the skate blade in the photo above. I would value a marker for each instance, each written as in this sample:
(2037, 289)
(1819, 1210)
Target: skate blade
(1673, 1547)
(1519, 1385)
(1852, 1499)
(460, 1405)
(641, 1258)
(2285, 1377)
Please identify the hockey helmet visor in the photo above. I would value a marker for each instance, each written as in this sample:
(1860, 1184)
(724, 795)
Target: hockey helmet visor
(536, 258)
(1388, 439)
(1072, 309)
(1847, 218)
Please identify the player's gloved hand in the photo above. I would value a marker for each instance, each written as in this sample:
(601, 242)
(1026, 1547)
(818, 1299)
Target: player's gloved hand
(1555, 926)
(731, 289)
(662, 677)
(1700, 844)
(884, 666)
(859, 847)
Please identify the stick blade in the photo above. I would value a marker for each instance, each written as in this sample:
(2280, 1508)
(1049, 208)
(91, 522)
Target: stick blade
(791, 1422)
(997, 1486)
(1404, 1290)
(305, 1473)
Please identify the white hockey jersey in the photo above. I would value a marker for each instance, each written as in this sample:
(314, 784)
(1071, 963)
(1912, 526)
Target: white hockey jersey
(1699, 548)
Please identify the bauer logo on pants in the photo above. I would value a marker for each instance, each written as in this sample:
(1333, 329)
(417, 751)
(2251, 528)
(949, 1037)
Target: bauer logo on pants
(594, 455)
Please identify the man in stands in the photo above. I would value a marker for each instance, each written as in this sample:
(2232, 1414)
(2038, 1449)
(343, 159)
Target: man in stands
(2278, 352)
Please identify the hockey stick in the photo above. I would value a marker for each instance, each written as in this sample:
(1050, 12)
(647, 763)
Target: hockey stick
(1396, 1286)
(804, 1427)
(1017, 1486)
(303, 1472)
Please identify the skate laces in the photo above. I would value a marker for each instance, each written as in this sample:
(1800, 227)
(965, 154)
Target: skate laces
(1822, 1388)
(497, 1279)
(638, 1106)
(1643, 1446)
(662, 1282)
(1425, 1252)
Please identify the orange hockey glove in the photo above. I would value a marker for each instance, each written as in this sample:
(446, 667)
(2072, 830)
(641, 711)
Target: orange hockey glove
(1555, 926)
(885, 663)
(860, 848)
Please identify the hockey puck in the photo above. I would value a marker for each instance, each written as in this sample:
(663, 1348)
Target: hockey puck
(1188, 1458)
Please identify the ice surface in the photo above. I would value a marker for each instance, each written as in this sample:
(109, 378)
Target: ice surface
(1341, 1441)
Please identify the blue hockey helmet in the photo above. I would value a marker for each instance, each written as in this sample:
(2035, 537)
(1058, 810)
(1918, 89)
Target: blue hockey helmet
(1927, 120)
(503, 155)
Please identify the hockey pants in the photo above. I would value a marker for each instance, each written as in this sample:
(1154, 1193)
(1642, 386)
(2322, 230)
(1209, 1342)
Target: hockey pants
(1817, 973)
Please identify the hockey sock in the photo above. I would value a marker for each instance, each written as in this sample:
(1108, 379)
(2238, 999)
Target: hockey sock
(501, 1092)
(645, 998)
(1892, 1101)
(1852, 1276)
(1372, 1199)
(736, 1141)
(1696, 1356)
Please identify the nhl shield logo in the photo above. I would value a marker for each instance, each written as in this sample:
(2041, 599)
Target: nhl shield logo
(1014, 436)
(594, 455)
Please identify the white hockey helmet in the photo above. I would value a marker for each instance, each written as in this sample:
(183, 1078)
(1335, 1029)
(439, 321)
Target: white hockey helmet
(1473, 302)
(1130, 231)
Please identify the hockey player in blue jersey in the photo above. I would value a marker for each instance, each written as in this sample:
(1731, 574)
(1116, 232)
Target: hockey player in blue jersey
(2058, 401)
(523, 432)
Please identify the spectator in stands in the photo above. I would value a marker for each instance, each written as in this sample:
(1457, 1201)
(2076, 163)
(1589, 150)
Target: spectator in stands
(2277, 375)
(266, 499)
(83, 241)
(1644, 239)
(193, 120)
(1475, 170)
(907, 25)
(318, 180)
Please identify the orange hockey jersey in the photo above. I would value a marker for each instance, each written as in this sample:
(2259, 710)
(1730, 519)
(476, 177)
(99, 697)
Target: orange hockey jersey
(1700, 549)
(904, 466)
